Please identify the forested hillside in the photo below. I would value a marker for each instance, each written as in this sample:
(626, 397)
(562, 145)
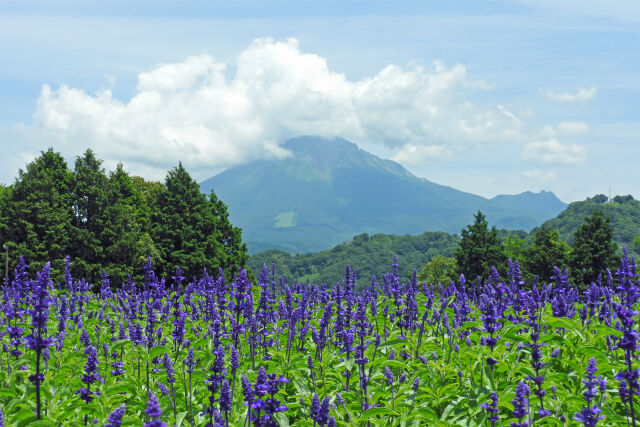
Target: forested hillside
(442, 255)
(623, 211)
(369, 254)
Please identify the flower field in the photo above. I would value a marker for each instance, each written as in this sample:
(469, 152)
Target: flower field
(388, 351)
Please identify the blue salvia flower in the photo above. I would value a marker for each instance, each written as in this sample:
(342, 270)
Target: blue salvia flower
(520, 404)
(315, 407)
(154, 412)
(225, 397)
(628, 343)
(189, 361)
(115, 418)
(168, 366)
(388, 375)
(492, 408)
(590, 414)
(163, 388)
(262, 409)
(91, 375)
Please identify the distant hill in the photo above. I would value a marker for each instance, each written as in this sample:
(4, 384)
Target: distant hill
(623, 212)
(330, 190)
(368, 254)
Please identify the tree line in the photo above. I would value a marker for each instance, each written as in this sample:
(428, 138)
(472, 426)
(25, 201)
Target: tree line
(114, 222)
(592, 253)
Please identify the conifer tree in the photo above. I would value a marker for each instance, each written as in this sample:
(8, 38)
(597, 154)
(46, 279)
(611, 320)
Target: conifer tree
(89, 201)
(548, 250)
(593, 249)
(479, 249)
(39, 212)
(188, 231)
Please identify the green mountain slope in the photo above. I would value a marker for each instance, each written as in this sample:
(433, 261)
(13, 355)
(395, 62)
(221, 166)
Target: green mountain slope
(330, 190)
(368, 254)
(625, 220)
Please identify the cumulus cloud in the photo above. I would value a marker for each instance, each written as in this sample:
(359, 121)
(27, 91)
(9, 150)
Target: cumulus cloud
(411, 154)
(582, 95)
(212, 115)
(573, 128)
(552, 151)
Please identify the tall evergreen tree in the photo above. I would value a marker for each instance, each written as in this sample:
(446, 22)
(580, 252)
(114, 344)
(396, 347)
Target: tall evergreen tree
(593, 249)
(125, 227)
(479, 249)
(88, 197)
(548, 250)
(193, 232)
(39, 212)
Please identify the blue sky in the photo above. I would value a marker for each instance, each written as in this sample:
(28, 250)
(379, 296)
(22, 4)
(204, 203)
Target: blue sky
(490, 97)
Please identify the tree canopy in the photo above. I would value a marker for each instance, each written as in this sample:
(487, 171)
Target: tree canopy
(113, 222)
(593, 249)
(479, 249)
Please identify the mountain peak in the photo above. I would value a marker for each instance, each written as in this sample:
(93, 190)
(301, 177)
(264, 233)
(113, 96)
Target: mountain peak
(330, 190)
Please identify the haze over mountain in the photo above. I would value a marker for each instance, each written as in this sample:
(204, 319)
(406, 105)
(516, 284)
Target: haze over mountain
(329, 190)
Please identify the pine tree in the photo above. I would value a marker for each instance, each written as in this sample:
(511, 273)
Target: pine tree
(88, 197)
(479, 249)
(193, 232)
(125, 227)
(593, 249)
(39, 212)
(548, 250)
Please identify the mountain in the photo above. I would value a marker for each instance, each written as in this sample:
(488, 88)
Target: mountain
(623, 211)
(329, 190)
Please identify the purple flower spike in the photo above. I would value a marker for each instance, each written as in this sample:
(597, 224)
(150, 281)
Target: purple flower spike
(115, 418)
(520, 404)
(388, 375)
(492, 408)
(154, 412)
(590, 414)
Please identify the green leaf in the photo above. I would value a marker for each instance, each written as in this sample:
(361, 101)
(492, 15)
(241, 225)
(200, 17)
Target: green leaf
(180, 416)
(157, 351)
(374, 412)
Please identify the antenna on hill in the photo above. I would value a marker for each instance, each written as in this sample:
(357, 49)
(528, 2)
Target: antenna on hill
(609, 194)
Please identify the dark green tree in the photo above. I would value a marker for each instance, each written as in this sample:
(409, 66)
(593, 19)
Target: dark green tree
(193, 232)
(546, 251)
(593, 249)
(479, 249)
(39, 212)
(89, 201)
(125, 233)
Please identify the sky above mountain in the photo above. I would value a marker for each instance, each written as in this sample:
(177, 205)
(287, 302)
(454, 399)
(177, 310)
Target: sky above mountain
(489, 97)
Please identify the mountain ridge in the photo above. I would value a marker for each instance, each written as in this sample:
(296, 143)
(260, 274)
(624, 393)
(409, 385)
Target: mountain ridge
(329, 190)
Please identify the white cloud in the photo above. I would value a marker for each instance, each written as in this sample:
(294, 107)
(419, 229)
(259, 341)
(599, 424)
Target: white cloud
(540, 175)
(573, 128)
(552, 151)
(411, 154)
(582, 95)
(211, 115)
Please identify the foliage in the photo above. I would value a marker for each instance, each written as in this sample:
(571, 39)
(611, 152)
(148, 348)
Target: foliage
(440, 269)
(546, 251)
(222, 352)
(191, 231)
(479, 249)
(114, 221)
(594, 250)
(369, 253)
(39, 212)
(625, 220)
